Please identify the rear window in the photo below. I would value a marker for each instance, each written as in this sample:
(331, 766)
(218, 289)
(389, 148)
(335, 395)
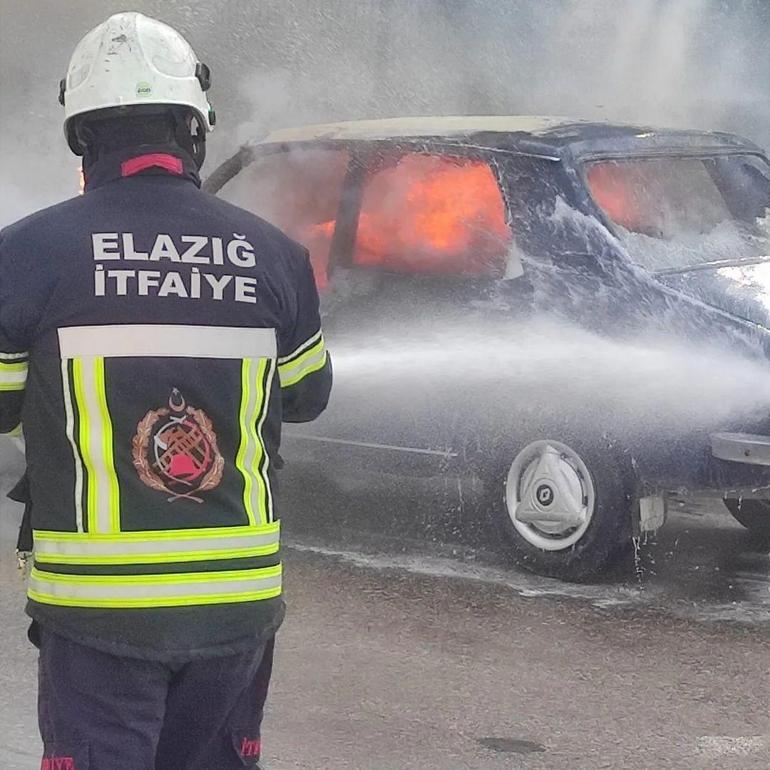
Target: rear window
(677, 212)
(299, 192)
(431, 214)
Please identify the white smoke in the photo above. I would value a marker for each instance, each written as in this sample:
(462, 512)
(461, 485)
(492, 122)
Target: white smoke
(666, 62)
(678, 63)
(671, 62)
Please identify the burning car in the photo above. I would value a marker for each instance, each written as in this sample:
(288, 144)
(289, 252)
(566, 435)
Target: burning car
(462, 263)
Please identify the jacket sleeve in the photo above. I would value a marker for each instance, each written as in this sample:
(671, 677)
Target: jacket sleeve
(14, 359)
(13, 376)
(304, 364)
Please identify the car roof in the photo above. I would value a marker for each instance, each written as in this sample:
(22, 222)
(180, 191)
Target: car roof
(539, 135)
(394, 128)
(552, 138)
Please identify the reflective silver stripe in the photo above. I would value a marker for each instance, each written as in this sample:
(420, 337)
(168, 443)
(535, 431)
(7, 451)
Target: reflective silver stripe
(13, 356)
(264, 473)
(292, 373)
(302, 348)
(70, 429)
(53, 548)
(163, 341)
(166, 590)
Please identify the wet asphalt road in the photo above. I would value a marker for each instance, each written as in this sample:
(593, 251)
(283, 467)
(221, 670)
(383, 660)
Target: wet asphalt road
(444, 658)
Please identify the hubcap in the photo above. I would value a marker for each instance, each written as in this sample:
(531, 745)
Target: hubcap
(550, 495)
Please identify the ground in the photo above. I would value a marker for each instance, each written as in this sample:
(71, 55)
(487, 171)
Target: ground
(393, 660)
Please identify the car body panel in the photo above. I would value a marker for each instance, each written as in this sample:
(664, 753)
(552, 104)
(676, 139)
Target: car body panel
(406, 401)
(740, 288)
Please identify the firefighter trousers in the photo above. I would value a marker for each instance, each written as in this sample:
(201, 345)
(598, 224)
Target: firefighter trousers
(102, 712)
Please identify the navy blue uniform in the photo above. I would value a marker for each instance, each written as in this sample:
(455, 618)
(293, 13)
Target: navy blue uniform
(152, 340)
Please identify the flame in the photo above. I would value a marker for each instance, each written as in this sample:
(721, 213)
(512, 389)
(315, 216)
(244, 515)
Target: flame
(431, 214)
(615, 188)
(318, 241)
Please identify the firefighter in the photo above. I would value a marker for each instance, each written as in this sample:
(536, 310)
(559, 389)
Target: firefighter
(152, 339)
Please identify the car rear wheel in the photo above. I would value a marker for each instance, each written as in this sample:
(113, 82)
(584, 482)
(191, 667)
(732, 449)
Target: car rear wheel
(564, 508)
(752, 514)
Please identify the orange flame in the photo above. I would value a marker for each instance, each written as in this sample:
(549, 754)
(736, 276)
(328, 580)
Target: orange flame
(430, 214)
(615, 188)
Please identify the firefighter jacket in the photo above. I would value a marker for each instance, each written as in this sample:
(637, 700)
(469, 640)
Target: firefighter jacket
(152, 340)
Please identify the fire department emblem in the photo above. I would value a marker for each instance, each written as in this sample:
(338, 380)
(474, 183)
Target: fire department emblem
(175, 451)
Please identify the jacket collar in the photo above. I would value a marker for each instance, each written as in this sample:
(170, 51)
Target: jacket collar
(147, 160)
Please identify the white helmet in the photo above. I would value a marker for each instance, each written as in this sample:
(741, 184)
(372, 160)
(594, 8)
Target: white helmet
(132, 60)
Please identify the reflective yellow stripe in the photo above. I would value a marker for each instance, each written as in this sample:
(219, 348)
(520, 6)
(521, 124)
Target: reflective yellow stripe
(153, 536)
(297, 360)
(143, 548)
(246, 414)
(309, 368)
(166, 590)
(313, 359)
(255, 395)
(157, 582)
(95, 441)
(107, 447)
(303, 347)
(13, 374)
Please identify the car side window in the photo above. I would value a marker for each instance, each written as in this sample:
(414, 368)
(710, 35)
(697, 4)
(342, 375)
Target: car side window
(675, 212)
(660, 198)
(298, 191)
(433, 215)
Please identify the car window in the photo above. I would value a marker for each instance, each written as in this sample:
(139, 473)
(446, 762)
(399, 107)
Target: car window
(676, 212)
(433, 214)
(299, 191)
(659, 197)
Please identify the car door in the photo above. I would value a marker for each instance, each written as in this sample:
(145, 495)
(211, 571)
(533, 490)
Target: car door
(423, 241)
(410, 245)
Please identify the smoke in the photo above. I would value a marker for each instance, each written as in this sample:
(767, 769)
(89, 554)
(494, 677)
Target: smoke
(695, 63)
(701, 63)
(690, 63)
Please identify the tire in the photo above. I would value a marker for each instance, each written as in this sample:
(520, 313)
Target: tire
(752, 514)
(591, 483)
